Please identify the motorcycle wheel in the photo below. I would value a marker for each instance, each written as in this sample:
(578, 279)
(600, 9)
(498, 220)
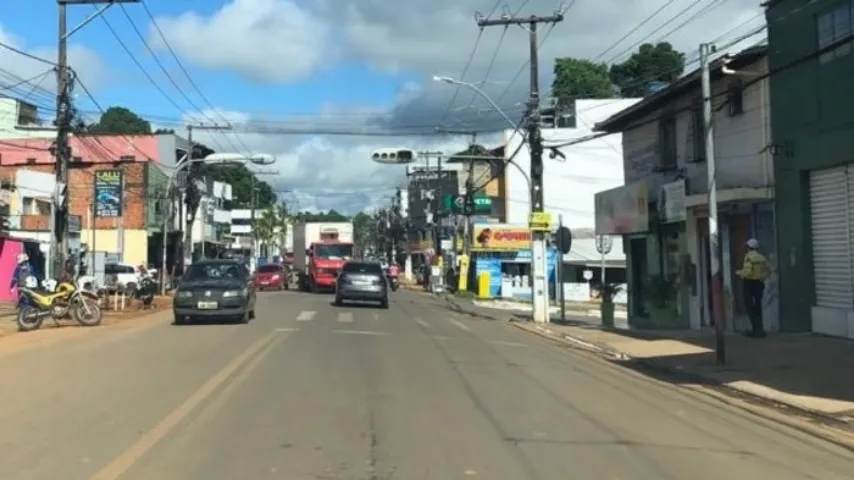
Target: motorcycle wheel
(29, 319)
(90, 318)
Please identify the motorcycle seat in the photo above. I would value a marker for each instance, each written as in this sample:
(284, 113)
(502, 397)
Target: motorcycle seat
(42, 291)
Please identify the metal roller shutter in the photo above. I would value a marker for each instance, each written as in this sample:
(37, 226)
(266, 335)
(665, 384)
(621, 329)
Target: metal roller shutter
(831, 202)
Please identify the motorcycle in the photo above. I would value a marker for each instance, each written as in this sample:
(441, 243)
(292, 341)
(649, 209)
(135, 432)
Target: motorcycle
(144, 291)
(66, 299)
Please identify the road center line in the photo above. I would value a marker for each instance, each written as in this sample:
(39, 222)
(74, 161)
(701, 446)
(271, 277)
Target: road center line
(124, 461)
(358, 332)
(422, 323)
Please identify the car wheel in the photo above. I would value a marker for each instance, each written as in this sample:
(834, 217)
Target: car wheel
(338, 301)
(178, 320)
(252, 314)
(384, 304)
(244, 319)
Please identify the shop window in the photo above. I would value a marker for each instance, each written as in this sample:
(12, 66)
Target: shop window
(832, 27)
(735, 98)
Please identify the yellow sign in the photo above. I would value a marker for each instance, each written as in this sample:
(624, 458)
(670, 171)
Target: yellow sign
(501, 237)
(464, 272)
(541, 222)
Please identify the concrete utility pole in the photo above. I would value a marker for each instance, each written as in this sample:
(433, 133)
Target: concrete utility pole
(718, 315)
(535, 141)
(62, 151)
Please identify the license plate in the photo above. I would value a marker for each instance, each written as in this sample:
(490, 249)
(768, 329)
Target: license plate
(362, 282)
(264, 282)
(207, 305)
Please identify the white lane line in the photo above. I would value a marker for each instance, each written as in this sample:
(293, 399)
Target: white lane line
(359, 332)
(306, 316)
(376, 317)
(422, 323)
(459, 324)
(345, 317)
(286, 329)
(507, 344)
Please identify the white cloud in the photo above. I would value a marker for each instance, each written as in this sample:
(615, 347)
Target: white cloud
(264, 40)
(90, 68)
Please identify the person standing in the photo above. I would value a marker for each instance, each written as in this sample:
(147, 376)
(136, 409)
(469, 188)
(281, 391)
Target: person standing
(754, 273)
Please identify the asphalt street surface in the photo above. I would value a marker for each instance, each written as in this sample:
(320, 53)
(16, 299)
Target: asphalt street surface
(310, 391)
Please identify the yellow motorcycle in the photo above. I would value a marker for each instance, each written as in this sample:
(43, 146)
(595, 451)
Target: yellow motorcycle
(37, 304)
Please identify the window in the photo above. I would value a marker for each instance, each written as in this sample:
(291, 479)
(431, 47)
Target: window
(735, 98)
(333, 251)
(667, 140)
(270, 269)
(117, 268)
(360, 267)
(216, 271)
(834, 27)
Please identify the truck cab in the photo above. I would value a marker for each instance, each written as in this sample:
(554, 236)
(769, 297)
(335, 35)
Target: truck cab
(326, 260)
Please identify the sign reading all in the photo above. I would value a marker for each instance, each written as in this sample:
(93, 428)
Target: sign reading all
(501, 237)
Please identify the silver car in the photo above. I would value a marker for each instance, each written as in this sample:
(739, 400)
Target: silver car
(362, 281)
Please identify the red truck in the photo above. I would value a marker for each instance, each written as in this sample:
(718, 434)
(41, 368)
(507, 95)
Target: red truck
(320, 250)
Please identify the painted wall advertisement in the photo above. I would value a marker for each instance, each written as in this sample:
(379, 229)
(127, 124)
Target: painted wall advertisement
(623, 210)
(108, 193)
(501, 237)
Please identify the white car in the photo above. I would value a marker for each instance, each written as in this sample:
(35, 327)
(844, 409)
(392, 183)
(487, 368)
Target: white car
(124, 274)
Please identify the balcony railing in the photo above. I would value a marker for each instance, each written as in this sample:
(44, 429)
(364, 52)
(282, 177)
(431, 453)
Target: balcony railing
(41, 223)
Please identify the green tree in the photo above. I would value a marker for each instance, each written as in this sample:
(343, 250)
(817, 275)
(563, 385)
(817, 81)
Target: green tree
(163, 131)
(578, 78)
(330, 216)
(651, 63)
(120, 120)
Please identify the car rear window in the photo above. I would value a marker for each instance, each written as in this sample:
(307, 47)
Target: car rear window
(269, 268)
(360, 267)
(215, 271)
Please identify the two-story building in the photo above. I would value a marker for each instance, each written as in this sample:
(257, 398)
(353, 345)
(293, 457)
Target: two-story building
(662, 210)
(812, 60)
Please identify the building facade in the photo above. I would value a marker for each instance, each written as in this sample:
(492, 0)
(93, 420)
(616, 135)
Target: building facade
(812, 58)
(662, 210)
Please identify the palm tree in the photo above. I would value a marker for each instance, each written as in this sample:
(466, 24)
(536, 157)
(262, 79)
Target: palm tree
(271, 227)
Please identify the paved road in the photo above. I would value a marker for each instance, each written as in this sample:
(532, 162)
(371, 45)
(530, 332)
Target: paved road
(310, 391)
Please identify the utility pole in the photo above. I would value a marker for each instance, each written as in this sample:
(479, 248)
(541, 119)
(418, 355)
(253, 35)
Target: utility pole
(61, 148)
(254, 206)
(539, 282)
(706, 50)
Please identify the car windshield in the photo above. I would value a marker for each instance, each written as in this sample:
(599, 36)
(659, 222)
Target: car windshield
(361, 267)
(269, 269)
(215, 271)
(340, 251)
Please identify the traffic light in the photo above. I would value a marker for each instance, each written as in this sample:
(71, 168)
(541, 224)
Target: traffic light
(393, 156)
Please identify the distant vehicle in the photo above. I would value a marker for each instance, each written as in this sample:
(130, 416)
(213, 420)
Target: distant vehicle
(320, 250)
(362, 281)
(215, 290)
(271, 275)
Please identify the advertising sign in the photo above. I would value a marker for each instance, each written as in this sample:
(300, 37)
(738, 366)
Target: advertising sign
(501, 237)
(108, 193)
(423, 195)
(623, 210)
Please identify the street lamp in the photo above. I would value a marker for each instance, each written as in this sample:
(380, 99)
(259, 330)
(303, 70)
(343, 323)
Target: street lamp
(476, 89)
(184, 163)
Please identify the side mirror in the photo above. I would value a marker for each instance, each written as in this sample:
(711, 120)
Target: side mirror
(309, 253)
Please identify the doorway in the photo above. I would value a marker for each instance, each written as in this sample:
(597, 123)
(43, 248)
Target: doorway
(640, 272)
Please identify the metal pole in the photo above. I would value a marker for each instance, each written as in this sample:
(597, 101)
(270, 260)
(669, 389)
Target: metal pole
(714, 243)
(559, 277)
(170, 202)
(185, 224)
(58, 237)
(204, 212)
(253, 200)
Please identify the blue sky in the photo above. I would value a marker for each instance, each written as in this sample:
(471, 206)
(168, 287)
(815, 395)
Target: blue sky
(347, 84)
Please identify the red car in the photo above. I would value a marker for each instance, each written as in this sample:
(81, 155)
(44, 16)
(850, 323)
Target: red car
(271, 276)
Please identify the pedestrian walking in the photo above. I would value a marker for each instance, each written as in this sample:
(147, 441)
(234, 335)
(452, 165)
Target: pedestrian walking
(754, 273)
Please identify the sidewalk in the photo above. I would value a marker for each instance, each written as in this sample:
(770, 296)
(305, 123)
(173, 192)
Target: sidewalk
(806, 372)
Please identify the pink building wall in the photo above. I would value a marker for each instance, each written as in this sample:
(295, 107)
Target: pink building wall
(95, 149)
(9, 250)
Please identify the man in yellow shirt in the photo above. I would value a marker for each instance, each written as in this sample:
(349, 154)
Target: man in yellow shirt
(754, 273)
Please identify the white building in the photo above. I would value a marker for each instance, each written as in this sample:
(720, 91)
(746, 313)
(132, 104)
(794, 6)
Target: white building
(570, 183)
(662, 211)
(19, 119)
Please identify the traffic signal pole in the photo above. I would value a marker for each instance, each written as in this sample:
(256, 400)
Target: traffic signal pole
(539, 283)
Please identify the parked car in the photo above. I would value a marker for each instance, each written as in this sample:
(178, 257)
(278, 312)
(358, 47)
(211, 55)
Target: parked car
(362, 281)
(215, 290)
(272, 275)
(121, 276)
